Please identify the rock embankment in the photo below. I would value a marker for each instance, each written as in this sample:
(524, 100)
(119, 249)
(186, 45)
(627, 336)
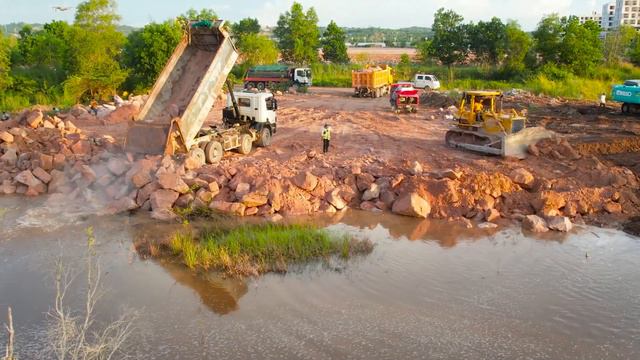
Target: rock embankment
(46, 154)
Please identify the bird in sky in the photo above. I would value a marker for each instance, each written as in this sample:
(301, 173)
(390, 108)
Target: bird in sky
(61, 8)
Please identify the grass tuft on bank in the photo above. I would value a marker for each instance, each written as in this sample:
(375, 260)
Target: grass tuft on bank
(250, 250)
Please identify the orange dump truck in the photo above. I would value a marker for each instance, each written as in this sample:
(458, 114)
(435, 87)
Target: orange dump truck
(372, 81)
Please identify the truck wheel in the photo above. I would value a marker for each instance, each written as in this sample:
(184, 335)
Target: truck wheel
(213, 152)
(625, 108)
(260, 86)
(265, 137)
(250, 86)
(198, 153)
(245, 144)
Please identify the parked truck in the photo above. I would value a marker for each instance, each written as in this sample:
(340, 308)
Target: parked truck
(277, 76)
(629, 95)
(172, 119)
(372, 82)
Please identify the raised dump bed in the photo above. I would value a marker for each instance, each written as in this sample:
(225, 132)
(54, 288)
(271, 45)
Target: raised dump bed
(185, 91)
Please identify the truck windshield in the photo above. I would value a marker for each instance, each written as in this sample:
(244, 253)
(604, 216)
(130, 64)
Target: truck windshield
(300, 73)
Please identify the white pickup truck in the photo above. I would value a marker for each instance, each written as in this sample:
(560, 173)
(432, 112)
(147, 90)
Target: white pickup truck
(426, 81)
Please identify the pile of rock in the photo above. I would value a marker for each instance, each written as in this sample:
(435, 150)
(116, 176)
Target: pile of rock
(557, 148)
(36, 148)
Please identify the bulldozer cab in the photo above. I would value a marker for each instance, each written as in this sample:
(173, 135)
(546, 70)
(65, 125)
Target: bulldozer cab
(477, 106)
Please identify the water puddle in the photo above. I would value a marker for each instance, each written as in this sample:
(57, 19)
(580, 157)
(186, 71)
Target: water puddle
(428, 290)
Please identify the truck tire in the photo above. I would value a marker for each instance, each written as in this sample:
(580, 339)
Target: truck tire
(260, 86)
(245, 144)
(250, 85)
(213, 152)
(264, 139)
(198, 153)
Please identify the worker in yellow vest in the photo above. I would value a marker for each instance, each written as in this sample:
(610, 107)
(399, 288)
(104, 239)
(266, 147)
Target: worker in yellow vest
(326, 138)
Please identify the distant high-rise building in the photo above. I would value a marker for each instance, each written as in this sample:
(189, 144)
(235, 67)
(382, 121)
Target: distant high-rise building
(627, 12)
(608, 16)
(595, 16)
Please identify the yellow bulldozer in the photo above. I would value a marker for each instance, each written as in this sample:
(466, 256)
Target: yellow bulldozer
(482, 125)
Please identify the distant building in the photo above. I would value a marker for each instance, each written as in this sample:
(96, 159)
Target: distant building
(608, 16)
(627, 12)
(595, 16)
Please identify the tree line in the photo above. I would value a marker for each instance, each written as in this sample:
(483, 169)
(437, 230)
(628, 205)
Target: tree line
(559, 45)
(90, 59)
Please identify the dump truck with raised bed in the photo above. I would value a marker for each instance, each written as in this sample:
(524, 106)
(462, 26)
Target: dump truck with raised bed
(482, 125)
(372, 82)
(629, 95)
(277, 77)
(172, 119)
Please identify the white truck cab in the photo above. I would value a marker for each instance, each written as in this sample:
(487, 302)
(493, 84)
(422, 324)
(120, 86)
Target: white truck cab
(302, 76)
(426, 81)
(255, 108)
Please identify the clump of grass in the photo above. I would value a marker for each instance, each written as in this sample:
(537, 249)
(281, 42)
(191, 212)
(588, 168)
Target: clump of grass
(249, 250)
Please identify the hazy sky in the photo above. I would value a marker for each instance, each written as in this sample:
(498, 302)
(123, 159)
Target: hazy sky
(356, 13)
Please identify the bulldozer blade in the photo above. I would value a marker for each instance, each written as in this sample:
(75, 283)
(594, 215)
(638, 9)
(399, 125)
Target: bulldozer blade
(148, 138)
(516, 145)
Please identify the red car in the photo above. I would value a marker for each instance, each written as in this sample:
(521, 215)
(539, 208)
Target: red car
(404, 97)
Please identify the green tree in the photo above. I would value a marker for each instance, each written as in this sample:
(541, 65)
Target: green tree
(634, 51)
(517, 44)
(258, 50)
(449, 43)
(581, 47)
(193, 14)
(96, 46)
(487, 40)
(548, 38)
(147, 51)
(5, 63)
(334, 46)
(246, 26)
(617, 44)
(298, 35)
(96, 13)
(424, 50)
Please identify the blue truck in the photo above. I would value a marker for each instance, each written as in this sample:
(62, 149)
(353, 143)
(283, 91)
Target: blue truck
(629, 95)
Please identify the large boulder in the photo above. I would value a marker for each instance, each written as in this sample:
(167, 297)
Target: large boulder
(27, 178)
(334, 198)
(7, 188)
(81, 147)
(42, 175)
(171, 181)
(34, 119)
(306, 181)
(372, 193)
(548, 203)
(559, 223)
(254, 199)
(6, 137)
(523, 178)
(412, 204)
(535, 223)
(416, 168)
(10, 158)
(117, 166)
(163, 199)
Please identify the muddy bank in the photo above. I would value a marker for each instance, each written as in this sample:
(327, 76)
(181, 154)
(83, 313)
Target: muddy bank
(379, 162)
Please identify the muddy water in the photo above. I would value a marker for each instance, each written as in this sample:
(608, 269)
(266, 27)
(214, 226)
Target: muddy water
(428, 290)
